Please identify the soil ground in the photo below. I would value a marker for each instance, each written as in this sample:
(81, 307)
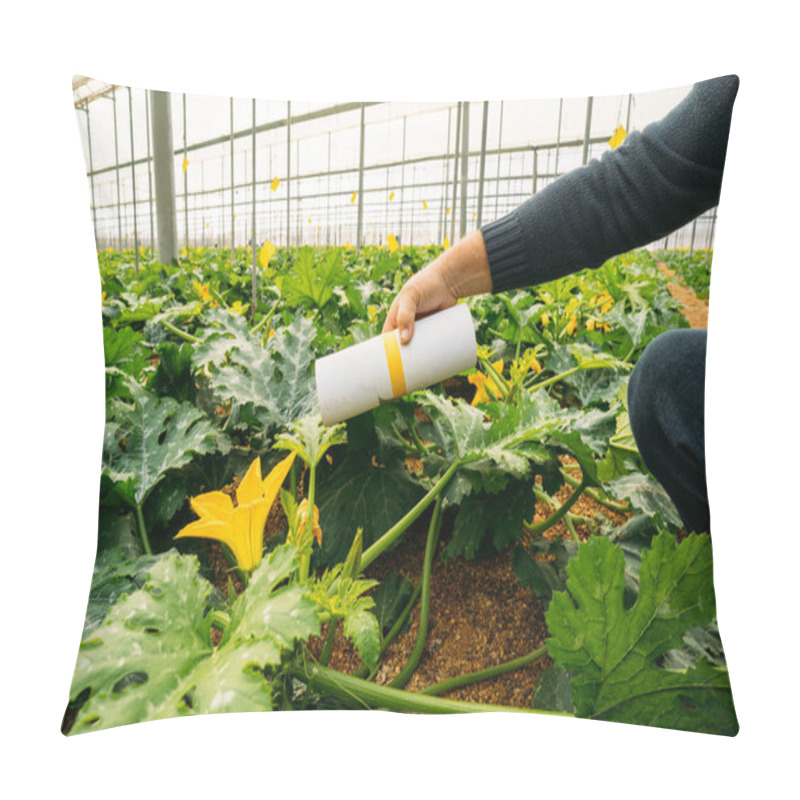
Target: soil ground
(479, 614)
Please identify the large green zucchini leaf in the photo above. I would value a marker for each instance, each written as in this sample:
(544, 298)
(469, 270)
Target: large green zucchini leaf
(152, 657)
(612, 651)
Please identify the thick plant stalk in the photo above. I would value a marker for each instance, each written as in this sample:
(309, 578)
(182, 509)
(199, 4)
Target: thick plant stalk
(307, 534)
(364, 671)
(596, 496)
(370, 695)
(422, 632)
(325, 655)
(187, 337)
(484, 674)
(398, 529)
(143, 530)
(542, 526)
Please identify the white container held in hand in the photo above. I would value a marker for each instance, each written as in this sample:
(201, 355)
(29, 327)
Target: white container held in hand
(360, 377)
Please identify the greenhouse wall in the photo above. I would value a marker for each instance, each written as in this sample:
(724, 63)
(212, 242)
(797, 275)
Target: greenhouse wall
(295, 173)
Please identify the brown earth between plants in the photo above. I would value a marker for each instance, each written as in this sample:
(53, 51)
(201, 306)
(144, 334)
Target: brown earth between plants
(695, 308)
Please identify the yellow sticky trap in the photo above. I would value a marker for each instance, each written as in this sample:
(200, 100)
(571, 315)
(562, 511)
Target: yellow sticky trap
(394, 361)
(618, 138)
(185, 164)
(391, 196)
(391, 241)
(275, 184)
(266, 253)
(353, 198)
(446, 243)
(425, 204)
(448, 209)
(309, 220)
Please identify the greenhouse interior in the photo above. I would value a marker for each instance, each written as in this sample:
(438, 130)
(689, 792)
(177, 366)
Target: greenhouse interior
(383, 412)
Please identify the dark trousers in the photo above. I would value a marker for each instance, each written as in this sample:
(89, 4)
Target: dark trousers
(666, 395)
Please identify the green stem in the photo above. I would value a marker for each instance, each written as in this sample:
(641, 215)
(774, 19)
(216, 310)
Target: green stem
(483, 674)
(371, 695)
(399, 528)
(143, 530)
(554, 379)
(542, 526)
(187, 337)
(571, 528)
(497, 378)
(325, 656)
(307, 535)
(422, 632)
(415, 440)
(364, 671)
(597, 496)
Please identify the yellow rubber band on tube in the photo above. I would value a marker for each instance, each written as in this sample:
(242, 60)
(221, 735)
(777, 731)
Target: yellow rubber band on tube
(395, 363)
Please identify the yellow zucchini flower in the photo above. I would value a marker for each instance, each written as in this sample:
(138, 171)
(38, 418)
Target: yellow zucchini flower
(240, 527)
(484, 384)
(572, 326)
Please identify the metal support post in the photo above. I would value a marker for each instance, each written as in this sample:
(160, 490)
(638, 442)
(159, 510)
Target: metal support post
(253, 237)
(91, 175)
(233, 191)
(445, 180)
(402, 183)
(483, 161)
(116, 171)
(288, 171)
(462, 226)
(133, 184)
(185, 183)
(499, 154)
(455, 174)
(149, 172)
(587, 130)
(360, 223)
(558, 135)
(164, 172)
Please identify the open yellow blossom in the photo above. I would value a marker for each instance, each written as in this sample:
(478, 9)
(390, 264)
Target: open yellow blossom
(240, 527)
(205, 293)
(545, 319)
(533, 363)
(572, 326)
(484, 385)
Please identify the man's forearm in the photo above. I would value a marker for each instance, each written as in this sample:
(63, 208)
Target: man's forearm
(657, 181)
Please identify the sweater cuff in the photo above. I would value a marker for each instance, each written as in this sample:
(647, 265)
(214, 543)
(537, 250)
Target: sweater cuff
(506, 249)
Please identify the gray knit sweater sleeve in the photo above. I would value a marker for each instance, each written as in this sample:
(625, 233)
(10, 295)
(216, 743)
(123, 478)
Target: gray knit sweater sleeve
(655, 182)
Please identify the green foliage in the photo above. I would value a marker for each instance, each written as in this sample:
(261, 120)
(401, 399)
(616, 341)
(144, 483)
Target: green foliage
(173, 376)
(152, 657)
(310, 439)
(358, 494)
(147, 438)
(311, 283)
(390, 600)
(343, 598)
(614, 650)
(275, 380)
(495, 518)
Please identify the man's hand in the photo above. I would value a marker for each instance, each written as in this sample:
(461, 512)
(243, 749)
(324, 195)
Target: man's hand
(461, 271)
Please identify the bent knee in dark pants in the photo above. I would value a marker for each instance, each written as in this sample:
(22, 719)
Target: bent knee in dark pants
(666, 400)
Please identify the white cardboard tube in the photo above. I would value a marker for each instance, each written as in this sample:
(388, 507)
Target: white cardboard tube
(357, 379)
